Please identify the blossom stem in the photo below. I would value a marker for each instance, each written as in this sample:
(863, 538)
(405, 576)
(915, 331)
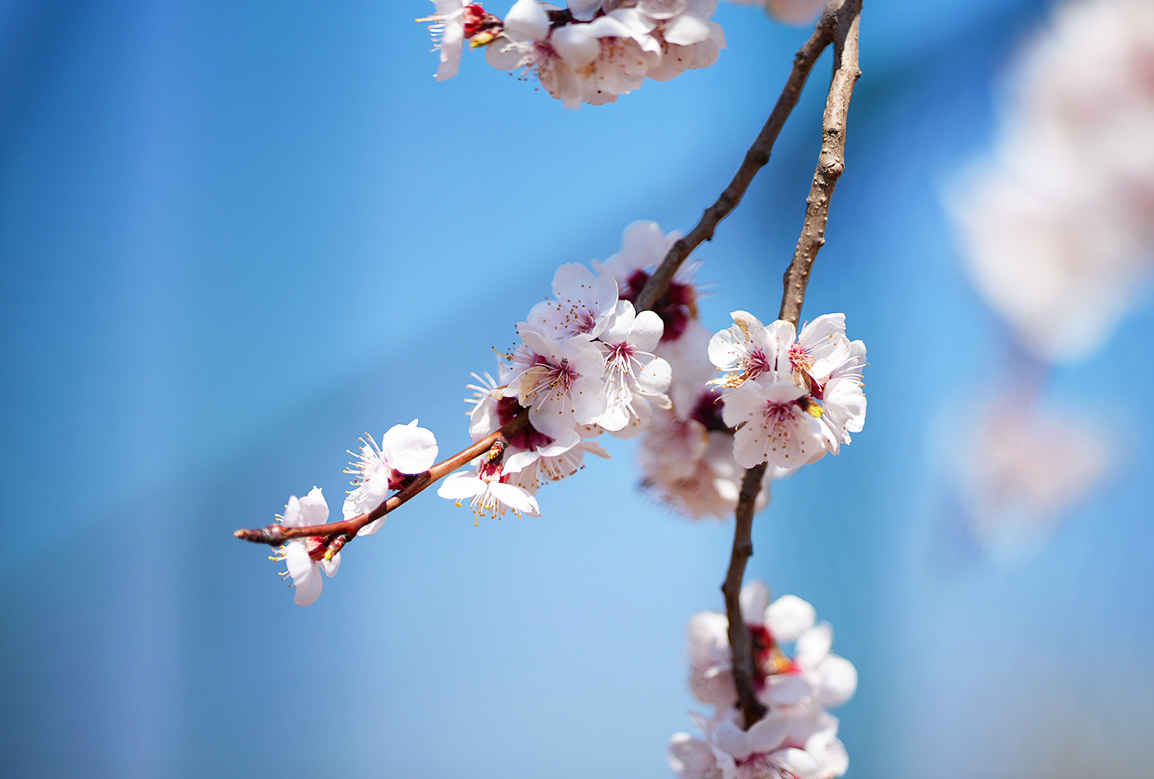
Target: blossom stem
(839, 26)
(276, 534)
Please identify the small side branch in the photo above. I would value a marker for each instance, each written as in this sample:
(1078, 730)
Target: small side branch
(277, 534)
(755, 159)
(841, 22)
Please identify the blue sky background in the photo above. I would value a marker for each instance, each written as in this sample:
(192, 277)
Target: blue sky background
(236, 236)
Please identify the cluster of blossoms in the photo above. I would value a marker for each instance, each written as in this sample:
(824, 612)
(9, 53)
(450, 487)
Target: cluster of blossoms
(1058, 225)
(792, 397)
(586, 364)
(797, 737)
(404, 450)
(589, 53)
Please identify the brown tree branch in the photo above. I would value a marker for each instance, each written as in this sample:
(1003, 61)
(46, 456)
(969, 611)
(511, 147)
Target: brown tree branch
(740, 641)
(831, 160)
(841, 19)
(755, 159)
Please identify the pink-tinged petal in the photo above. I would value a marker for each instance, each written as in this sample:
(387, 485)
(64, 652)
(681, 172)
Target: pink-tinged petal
(620, 323)
(767, 733)
(584, 356)
(686, 30)
(655, 377)
(702, 9)
(576, 45)
(788, 617)
(788, 689)
(690, 757)
(458, 486)
(731, 738)
(662, 9)
(503, 54)
(408, 448)
(527, 21)
(305, 575)
(519, 461)
(837, 681)
(798, 762)
(589, 401)
(611, 26)
(813, 645)
(794, 11)
(515, 498)
(754, 598)
(314, 509)
(540, 343)
(647, 331)
(561, 444)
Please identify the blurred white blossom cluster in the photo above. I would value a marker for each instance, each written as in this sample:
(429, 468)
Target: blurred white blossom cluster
(1057, 225)
(590, 52)
(797, 738)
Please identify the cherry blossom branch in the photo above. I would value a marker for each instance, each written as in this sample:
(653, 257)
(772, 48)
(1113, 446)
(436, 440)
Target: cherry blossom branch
(831, 160)
(839, 26)
(755, 159)
(740, 641)
(277, 534)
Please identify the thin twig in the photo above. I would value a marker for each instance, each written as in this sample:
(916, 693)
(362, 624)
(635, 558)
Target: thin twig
(755, 159)
(277, 534)
(841, 20)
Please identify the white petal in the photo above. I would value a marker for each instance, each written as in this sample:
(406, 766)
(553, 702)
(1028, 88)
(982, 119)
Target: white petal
(813, 645)
(788, 617)
(408, 448)
(305, 574)
(686, 30)
(754, 597)
(767, 733)
(458, 486)
(837, 681)
(515, 498)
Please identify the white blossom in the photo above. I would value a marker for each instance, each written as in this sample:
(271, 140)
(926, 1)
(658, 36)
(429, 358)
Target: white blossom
(299, 553)
(404, 450)
(563, 387)
(490, 490)
(632, 372)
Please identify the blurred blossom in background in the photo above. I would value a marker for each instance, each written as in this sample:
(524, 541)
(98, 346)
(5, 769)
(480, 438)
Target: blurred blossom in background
(237, 237)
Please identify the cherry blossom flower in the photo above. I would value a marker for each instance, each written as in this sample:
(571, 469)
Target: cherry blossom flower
(582, 304)
(790, 400)
(305, 558)
(813, 679)
(492, 491)
(404, 450)
(800, 736)
(563, 388)
(643, 246)
(632, 371)
(729, 752)
(454, 22)
(776, 424)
